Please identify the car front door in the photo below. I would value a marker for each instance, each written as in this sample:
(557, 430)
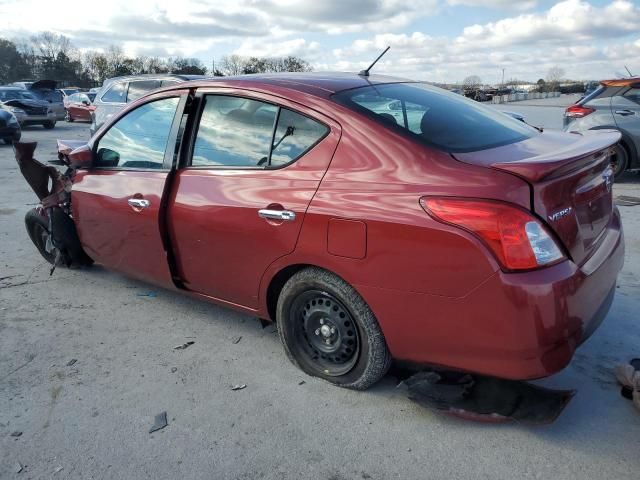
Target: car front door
(239, 202)
(117, 203)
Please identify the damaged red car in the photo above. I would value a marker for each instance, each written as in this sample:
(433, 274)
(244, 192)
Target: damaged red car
(371, 218)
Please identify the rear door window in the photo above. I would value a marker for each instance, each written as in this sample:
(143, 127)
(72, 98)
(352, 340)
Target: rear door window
(117, 93)
(234, 132)
(295, 135)
(436, 117)
(141, 87)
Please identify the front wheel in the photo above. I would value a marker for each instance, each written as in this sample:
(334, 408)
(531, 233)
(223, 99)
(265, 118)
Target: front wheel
(329, 331)
(38, 230)
(49, 125)
(67, 116)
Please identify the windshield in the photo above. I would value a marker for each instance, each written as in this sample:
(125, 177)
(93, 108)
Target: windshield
(439, 118)
(9, 95)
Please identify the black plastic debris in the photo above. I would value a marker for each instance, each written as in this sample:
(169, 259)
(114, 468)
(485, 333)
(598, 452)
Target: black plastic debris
(71, 362)
(486, 399)
(16, 434)
(159, 422)
(184, 345)
(241, 386)
(236, 340)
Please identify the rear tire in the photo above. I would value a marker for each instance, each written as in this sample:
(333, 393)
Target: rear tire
(619, 161)
(328, 330)
(49, 125)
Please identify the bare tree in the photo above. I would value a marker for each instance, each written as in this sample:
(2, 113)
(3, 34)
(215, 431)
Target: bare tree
(49, 45)
(554, 76)
(472, 82)
(233, 64)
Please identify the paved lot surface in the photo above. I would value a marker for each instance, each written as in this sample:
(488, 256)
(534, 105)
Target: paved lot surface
(541, 112)
(91, 419)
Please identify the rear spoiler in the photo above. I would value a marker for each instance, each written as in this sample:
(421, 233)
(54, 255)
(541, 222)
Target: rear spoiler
(560, 162)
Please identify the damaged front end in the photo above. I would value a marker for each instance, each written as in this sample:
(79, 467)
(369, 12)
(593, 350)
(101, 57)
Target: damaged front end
(50, 226)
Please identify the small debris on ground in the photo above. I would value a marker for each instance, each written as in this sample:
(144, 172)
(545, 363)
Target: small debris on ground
(148, 294)
(18, 468)
(241, 386)
(236, 340)
(16, 434)
(174, 369)
(58, 470)
(71, 362)
(184, 345)
(301, 382)
(159, 422)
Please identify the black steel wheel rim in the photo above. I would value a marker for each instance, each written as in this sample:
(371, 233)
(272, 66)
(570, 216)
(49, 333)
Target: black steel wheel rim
(326, 336)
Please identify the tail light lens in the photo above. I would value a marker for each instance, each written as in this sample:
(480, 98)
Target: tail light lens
(517, 239)
(578, 111)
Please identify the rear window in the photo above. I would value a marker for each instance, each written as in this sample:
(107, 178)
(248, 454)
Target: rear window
(140, 88)
(436, 117)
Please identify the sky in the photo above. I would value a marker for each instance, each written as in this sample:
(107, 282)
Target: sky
(433, 40)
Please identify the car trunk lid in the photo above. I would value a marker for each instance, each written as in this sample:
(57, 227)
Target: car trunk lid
(570, 178)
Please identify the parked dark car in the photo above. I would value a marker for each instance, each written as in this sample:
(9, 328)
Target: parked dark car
(9, 127)
(46, 90)
(27, 108)
(615, 104)
(450, 235)
(79, 107)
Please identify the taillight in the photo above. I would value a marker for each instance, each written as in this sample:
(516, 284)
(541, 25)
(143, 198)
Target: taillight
(517, 239)
(578, 111)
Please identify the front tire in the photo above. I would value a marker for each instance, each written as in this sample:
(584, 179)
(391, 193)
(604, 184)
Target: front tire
(328, 330)
(67, 116)
(49, 125)
(38, 230)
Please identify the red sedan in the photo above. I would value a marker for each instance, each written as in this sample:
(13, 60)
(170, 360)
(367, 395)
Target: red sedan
(79, 106)
(372, 218)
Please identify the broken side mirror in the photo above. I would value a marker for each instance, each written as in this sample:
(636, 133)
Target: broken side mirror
(80, 157)
(107, 158)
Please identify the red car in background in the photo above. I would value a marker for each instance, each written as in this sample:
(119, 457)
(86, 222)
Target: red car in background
(370, 217)
(78, 106)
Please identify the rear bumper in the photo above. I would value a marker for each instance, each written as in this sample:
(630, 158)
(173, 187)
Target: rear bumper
(516, 326)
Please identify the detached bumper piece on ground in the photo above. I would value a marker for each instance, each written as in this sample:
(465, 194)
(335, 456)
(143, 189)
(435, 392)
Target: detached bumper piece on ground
(628, 376)
(487, 399)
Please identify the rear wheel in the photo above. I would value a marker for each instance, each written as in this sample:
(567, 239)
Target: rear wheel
(329, 331)
(619, 161)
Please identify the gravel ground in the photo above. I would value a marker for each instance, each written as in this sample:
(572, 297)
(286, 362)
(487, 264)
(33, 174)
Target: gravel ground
(91, 418)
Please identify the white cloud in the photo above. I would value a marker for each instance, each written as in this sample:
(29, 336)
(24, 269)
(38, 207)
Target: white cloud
(503, 4)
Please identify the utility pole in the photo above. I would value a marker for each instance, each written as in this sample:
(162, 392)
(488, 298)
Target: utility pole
(213, 66)
(502, 84)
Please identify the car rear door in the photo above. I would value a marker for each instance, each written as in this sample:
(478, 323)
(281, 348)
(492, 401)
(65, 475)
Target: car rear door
(626, 111)
(253, 166)
(117, 203)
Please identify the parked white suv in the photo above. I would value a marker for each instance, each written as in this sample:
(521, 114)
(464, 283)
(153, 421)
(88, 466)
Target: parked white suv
(118, 91)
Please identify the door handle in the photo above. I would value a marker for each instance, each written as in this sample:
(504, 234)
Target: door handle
(625, 112)
(286, 215)
(138, 202)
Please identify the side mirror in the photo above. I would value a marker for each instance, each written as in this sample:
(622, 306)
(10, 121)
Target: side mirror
(107, 158)
(80, 157)
(86, 102)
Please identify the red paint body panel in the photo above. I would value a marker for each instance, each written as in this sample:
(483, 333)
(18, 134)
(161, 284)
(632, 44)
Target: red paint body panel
(115, 234)
(438, 293)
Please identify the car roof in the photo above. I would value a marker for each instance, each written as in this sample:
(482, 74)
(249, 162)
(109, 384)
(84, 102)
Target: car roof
(622, 82)
(323, 84)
